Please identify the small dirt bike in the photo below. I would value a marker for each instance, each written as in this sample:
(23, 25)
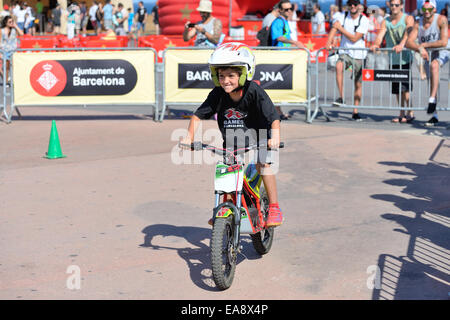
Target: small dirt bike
(241, 207)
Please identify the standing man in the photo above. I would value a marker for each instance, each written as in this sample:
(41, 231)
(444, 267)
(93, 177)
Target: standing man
(393, 29)
(155, 14)
(353, 26)
(119, 19)
(40, 16)
(432, 32)
(208, 31)
(280, 31)
(56, 19)
(318, 20)
(92, 15)
(108, 15)
(141, 15)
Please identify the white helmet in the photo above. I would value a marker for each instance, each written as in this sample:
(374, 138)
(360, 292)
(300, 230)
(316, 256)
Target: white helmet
(233, 54)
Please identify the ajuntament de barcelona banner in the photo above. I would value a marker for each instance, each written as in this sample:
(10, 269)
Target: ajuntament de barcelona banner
(92, 77)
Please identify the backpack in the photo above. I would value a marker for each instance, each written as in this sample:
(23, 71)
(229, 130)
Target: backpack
(264, 37)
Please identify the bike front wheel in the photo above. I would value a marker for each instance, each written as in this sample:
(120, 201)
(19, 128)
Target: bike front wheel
(223, 253)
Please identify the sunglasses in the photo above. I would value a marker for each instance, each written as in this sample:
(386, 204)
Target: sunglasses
(287, 9)
(396, 5)
(427, 9)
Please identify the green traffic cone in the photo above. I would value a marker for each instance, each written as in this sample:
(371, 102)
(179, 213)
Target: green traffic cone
(54, 147)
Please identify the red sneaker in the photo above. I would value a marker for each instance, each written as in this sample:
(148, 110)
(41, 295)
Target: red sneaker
(275, 217)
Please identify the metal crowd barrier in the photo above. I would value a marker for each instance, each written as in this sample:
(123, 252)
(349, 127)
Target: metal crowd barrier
(377, 94)
(9, 105)
(321, 89)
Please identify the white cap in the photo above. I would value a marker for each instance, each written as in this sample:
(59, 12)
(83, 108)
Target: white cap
(205, 6)
(432, 2)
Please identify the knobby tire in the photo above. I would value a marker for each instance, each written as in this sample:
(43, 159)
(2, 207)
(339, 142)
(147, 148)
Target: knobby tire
(222, 268)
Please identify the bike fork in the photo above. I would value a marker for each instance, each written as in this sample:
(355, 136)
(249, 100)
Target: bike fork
(237, 221)
(237, 217)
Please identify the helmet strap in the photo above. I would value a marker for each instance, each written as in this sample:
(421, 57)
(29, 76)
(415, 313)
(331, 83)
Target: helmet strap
(240, 88)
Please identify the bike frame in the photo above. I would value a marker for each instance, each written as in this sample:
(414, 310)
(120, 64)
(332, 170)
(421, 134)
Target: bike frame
(234, 187)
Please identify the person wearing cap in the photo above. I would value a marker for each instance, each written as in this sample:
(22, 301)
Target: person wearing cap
(208, 30)
(393, 29)
(431, 31)
(353, 26)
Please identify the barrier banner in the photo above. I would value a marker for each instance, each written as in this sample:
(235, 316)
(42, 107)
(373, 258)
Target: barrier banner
(282, 73)
(385, 75)
(95, 77)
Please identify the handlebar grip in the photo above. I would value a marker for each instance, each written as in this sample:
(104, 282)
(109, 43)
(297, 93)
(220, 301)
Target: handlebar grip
(196, 146)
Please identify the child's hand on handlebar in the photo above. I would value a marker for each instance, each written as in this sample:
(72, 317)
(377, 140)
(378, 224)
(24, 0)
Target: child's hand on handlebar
(185, 143)
(273, 143)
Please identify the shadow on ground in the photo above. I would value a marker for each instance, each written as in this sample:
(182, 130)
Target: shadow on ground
(423, 272)
(197, 253)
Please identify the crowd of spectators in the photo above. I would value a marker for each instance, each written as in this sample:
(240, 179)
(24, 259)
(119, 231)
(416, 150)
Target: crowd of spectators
(101, 16)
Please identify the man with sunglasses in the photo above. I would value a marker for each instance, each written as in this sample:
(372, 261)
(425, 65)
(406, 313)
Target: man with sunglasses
(353, 26)
(431, 31)
(393, 29)
(280, 31)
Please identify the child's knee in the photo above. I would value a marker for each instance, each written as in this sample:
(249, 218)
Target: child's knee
(263, 168)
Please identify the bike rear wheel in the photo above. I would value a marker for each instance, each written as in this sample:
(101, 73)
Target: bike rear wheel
(223, 253)
(262, 241)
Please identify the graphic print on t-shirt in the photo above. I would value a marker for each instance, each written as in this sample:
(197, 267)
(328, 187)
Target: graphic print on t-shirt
(234, 118)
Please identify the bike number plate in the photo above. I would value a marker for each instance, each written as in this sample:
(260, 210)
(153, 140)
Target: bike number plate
(228, 178)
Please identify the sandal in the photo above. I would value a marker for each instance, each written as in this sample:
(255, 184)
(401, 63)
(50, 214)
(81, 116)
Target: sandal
(410, 119)
(400, 120)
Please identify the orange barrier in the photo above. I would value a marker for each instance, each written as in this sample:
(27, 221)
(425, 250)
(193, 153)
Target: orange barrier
(313, 43)
(161, 42)
(38, 43)
(251, 27)
(103, 44)
(61, 41)
(251, 42)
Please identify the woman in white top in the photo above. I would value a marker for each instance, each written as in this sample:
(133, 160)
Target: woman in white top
(8, 43)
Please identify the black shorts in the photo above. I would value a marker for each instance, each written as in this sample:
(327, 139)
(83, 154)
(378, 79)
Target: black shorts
(405, 85)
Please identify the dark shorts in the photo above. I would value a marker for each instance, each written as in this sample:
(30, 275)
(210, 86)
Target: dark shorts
(405, 85)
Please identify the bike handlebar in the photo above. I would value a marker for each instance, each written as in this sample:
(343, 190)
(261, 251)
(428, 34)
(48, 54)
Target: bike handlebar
(198, 145)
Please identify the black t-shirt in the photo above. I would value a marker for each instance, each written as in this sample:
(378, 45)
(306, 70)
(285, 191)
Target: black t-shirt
(141, 14)
(252, 116)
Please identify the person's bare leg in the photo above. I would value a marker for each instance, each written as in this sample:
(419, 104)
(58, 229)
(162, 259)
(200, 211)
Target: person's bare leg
(340, 77)
(434, 78)
(270, 182)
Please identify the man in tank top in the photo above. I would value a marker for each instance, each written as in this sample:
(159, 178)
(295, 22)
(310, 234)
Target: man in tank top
(208, 31)
(431, 31)
(393, 29)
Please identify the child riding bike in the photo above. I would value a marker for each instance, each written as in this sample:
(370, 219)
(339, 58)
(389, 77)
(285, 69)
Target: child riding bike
(244, 110)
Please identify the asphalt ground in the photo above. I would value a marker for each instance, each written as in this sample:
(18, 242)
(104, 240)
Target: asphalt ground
(366, 206)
